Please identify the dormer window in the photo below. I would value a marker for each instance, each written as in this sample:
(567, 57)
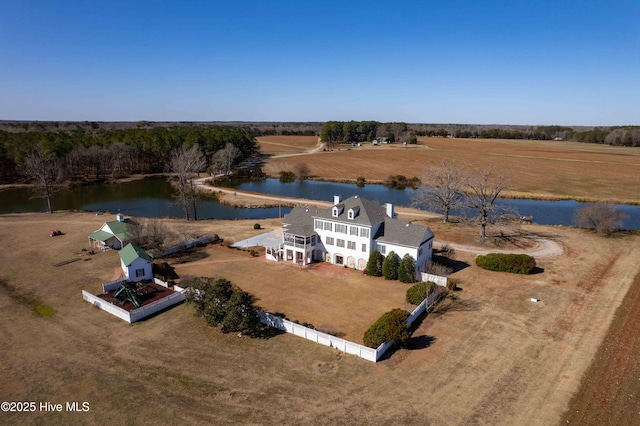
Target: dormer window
(352, 213)
(337, 210)
(334, 212)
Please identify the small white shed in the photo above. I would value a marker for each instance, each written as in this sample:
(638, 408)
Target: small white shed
(136, 264)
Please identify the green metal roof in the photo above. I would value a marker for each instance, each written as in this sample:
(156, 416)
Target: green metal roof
(130, 253)
(100, 236)
(119, 229)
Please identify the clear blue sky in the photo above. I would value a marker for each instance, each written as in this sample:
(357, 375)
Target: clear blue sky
(482, 62)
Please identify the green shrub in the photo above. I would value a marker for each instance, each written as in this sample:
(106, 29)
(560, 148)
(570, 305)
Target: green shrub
(390, 266)
(391, 326)
(256, 226)
(418, 292)
(407, 269)
(360, 182)
(374, 265)
(287, 177)
(501, 262)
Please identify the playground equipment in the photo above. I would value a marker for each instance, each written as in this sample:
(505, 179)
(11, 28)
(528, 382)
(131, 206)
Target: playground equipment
(131, 291)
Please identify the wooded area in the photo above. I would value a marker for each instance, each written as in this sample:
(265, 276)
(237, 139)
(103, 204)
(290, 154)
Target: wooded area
(93, 153)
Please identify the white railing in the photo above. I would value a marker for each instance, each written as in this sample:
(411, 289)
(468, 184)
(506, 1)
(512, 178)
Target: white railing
(320, 337)
(111, 285)
(441, 281)
(143, 311)
(106, 306)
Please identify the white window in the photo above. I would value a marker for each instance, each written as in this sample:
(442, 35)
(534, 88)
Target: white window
(340, 243)
(334, 212)
(364, 232)
(364, 247)
(329, 241)
(350, 215)
(327, 226)
(353, 230)
(341, 228)
(382, 249)
(318, 224)
(351, 245)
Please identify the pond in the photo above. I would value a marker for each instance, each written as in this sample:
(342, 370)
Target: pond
(143, 198)
(543, 212)
(154, 198)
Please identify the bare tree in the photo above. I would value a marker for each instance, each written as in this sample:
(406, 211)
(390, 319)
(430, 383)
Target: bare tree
(602, 217)
(443, 189)
(483, 189)
(301, 170)
(120, 155)
(42, 168)
(150, 233)
(185, 162)
(223, 159)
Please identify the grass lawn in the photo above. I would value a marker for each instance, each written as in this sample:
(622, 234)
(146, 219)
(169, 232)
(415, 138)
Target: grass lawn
(334, 299)
(489, 356)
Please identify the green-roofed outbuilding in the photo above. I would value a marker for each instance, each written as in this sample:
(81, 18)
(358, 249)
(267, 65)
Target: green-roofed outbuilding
(112, 234)
(136, 264)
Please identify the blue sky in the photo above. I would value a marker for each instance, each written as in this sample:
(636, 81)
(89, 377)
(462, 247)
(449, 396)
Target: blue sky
(477, 62)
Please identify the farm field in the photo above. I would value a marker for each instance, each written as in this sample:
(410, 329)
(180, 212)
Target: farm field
(489, 356)
(540, 169)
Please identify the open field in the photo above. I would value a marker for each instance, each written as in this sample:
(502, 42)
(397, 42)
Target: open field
(279, 145)
(488, 357)
(540, 169)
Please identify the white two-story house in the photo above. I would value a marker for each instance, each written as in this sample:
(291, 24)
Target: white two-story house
(347, 233)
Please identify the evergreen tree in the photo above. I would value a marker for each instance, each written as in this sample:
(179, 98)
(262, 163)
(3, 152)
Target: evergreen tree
(374, 265)
(406, 270)
(390, 266)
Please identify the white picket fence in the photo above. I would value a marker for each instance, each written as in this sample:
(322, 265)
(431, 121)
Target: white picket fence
(343, 345)
(441, 281)
(136, 314)
(205, 239)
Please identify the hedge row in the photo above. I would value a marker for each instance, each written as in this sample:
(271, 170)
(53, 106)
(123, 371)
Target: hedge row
(507, 262)
(391, 326)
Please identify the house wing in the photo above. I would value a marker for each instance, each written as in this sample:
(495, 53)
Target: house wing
(404, 233)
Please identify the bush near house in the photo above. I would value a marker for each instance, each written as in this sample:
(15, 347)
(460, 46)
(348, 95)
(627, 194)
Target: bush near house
(390, 266)
(374, 264)
(406, 270)
(391, 326)
(420, 291)
(507, 262)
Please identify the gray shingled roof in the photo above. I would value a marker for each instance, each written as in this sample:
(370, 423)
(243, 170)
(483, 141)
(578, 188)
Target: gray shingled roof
(300, 221)
(370, 212)
(402, 232)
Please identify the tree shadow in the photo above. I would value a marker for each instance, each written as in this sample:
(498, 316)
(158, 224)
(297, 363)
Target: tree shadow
(455, 265)
(419, 342)
(455, 304)
(536, 270)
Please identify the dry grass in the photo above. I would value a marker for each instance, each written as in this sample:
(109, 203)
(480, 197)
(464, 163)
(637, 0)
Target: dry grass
(540, 169)
(278, 145)
(488, 357)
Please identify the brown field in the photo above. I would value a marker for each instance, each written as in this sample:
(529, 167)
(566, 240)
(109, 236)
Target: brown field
(489, 356)
(540, 169)
(278, 145)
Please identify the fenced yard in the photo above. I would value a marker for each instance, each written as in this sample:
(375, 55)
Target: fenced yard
(336, 300)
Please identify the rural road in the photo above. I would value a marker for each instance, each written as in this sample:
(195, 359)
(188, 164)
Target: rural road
(545, 247)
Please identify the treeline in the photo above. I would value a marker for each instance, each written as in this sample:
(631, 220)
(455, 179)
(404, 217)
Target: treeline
(361, 131)
(254, 128)
(91, 152)
(619, 135)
